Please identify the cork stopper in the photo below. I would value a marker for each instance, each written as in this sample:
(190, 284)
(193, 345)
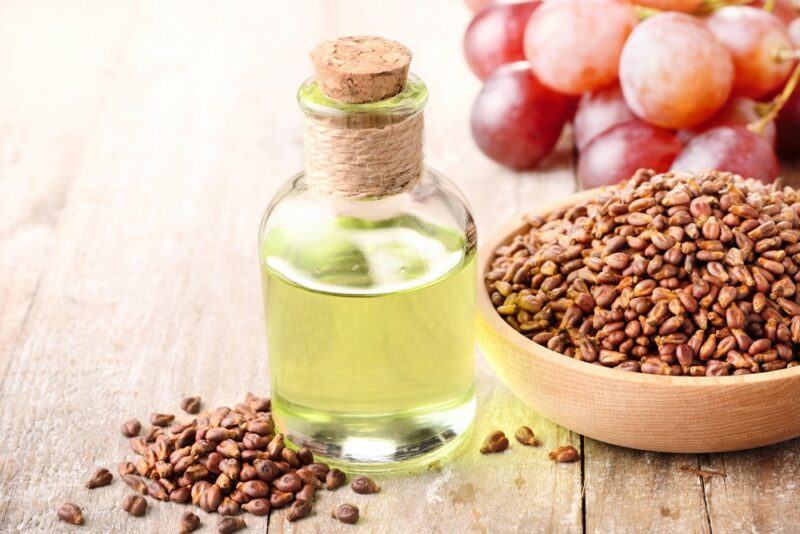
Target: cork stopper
(361, 69)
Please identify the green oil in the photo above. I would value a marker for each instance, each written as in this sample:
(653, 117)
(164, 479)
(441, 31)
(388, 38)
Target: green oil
(370, 332)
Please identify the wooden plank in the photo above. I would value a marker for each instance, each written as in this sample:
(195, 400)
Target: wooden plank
(151, 287)
(759, 492)
(634, 491)
(44, 124)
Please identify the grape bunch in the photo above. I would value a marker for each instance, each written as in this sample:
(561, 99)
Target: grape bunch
(689, 85)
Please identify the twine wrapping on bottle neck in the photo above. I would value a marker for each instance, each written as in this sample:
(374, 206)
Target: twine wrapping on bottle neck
(363, 162)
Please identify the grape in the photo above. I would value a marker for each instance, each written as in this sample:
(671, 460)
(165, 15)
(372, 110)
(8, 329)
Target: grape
(794, 32)
(789, 127)
(574, 45)
(616, 154)
(783, 9)
(687, 6)
(673, 72)
(516, 120)
(494, 37)
(739, 111)
(730, 148)
(599, 111)
(477, 5)
(753, 36)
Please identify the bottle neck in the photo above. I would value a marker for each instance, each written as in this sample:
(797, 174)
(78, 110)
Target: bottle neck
(363, 150)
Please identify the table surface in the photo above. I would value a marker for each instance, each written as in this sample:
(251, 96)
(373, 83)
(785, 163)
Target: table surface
(140, 142)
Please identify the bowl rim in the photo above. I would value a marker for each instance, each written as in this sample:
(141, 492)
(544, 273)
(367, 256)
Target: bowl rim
(515, 226)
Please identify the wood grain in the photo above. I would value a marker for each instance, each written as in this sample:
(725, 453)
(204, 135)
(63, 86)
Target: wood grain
(150, 288)
(759, 492)
(141, 141)
(633, 491)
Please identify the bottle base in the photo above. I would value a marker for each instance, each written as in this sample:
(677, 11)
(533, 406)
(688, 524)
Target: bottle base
(382, 443)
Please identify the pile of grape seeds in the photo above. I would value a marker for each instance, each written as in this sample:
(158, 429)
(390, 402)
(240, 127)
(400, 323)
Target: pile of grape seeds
(229, 461)
(224, 461)
(671, 274)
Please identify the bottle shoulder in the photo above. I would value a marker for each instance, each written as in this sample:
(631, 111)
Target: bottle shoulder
(345, 245)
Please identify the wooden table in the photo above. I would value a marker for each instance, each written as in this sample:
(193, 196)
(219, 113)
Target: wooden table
(140, 142)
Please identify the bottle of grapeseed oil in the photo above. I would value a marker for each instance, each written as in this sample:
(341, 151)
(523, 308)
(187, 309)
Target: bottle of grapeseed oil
(368, 269)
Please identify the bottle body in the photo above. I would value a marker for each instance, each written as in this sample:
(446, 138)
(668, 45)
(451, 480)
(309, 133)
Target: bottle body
(369, 307)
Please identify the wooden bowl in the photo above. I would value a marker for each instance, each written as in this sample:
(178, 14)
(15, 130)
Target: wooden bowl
(654, 413)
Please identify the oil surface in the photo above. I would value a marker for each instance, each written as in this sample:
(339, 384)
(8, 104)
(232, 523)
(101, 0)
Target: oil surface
(370, 327)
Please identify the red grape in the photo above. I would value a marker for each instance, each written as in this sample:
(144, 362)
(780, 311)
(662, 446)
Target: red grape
(753, 36)
(783, 9)
(516, 120)
(687, 6)
(574, 45)
(673, 72)
(494, 37)
(794, 32)
(789, 127)
(616, 154)
(730, 148)
(599, 111)
(739, 111)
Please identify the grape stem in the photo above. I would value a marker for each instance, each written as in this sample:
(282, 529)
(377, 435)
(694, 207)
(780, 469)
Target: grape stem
(786, 54)
(770, 110)
(643, 12)
(710, 6)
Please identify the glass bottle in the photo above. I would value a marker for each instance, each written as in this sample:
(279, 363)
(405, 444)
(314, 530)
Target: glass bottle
(368, 274)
